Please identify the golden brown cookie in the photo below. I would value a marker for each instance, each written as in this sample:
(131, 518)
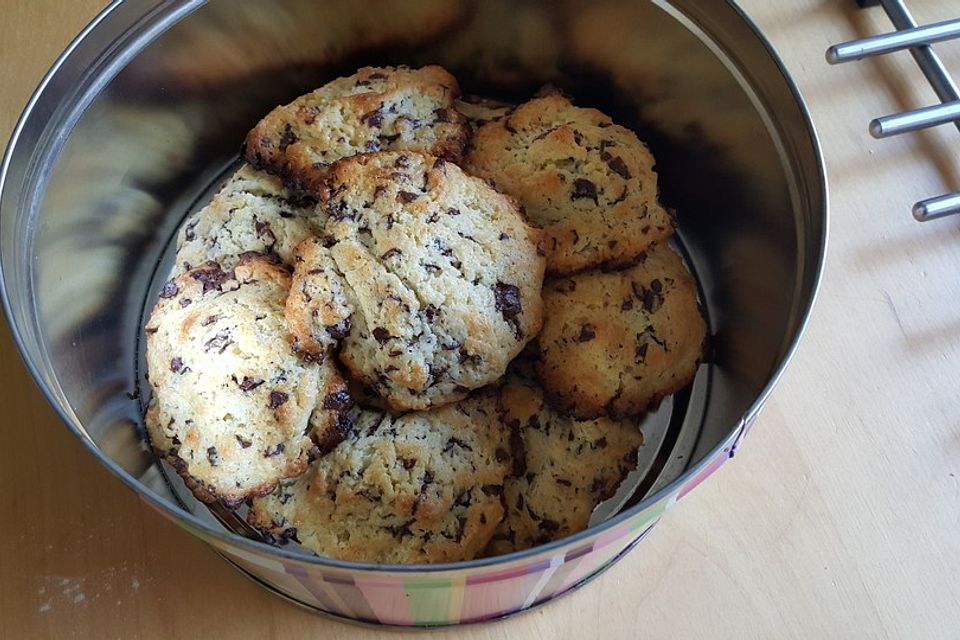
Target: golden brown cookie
(429, 279)
(420, 488)
(562, 468)
(233, 407)
(588, 182)
(614, 343)
(376, 109)
(251, 212)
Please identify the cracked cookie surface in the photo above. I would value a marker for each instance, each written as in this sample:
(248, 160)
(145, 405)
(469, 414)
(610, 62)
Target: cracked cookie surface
(376, 109)
(588, 182)
(251, 212)
(615, 343)
(562, 468)
(422, 487)
(428, 278)
(234, 408)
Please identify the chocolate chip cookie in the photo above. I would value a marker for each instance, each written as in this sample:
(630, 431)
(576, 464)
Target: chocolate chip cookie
(427, 278)
(423, 487)
(251, 212)
(234, 408)
(615, 343)
(588, 182)
(376, 109)
(562, 468)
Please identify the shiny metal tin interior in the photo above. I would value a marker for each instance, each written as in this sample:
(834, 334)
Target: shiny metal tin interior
(144, 110)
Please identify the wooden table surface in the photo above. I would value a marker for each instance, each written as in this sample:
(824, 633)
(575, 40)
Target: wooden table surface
(841, 517)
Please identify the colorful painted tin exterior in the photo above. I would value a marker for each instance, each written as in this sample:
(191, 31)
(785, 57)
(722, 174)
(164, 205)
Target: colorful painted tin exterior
(426, 598)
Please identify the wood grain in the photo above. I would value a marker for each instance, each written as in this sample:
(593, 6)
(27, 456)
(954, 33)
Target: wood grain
(839, 519)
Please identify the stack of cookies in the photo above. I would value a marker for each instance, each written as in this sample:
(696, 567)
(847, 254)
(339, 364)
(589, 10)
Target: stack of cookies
(414, 329)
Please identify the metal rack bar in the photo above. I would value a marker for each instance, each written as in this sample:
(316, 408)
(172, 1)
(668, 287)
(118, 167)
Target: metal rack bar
(915, 120)
(918, 40)
(895, 41)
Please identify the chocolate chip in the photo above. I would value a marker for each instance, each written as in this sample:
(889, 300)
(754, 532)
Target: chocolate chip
(432, 268)
(284, 498)
(338, 401)
(390, 253)
(176, 365)
(339, 331)
(430, 312)
(264, 231)
(425, 482)
(408, 463)
(212, 456)
(587, 333)
(616, 164)
(501, 454)
(277, 399)
(379, 191)
(656, 286)
(211, 277)
(249, 384)
(461, 528)
(504, 236)
(275, 451)
(583, 188)
(244, 443)
(548, 525)
(287, 138)
(456, 442)
(373, 118)
(220, 342)
(339, 210)
(472, 358)
(206, 322)
(169, 289)
(492, 489)
(519, 448)
(406, 197)
(188, 232)
(507, 300)
(640, 354)
(453, 346)
(453, 211)
(381, 334)
(402, 162)
(649, 299)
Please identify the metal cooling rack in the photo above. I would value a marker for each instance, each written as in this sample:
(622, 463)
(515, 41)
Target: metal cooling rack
(918, 39)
